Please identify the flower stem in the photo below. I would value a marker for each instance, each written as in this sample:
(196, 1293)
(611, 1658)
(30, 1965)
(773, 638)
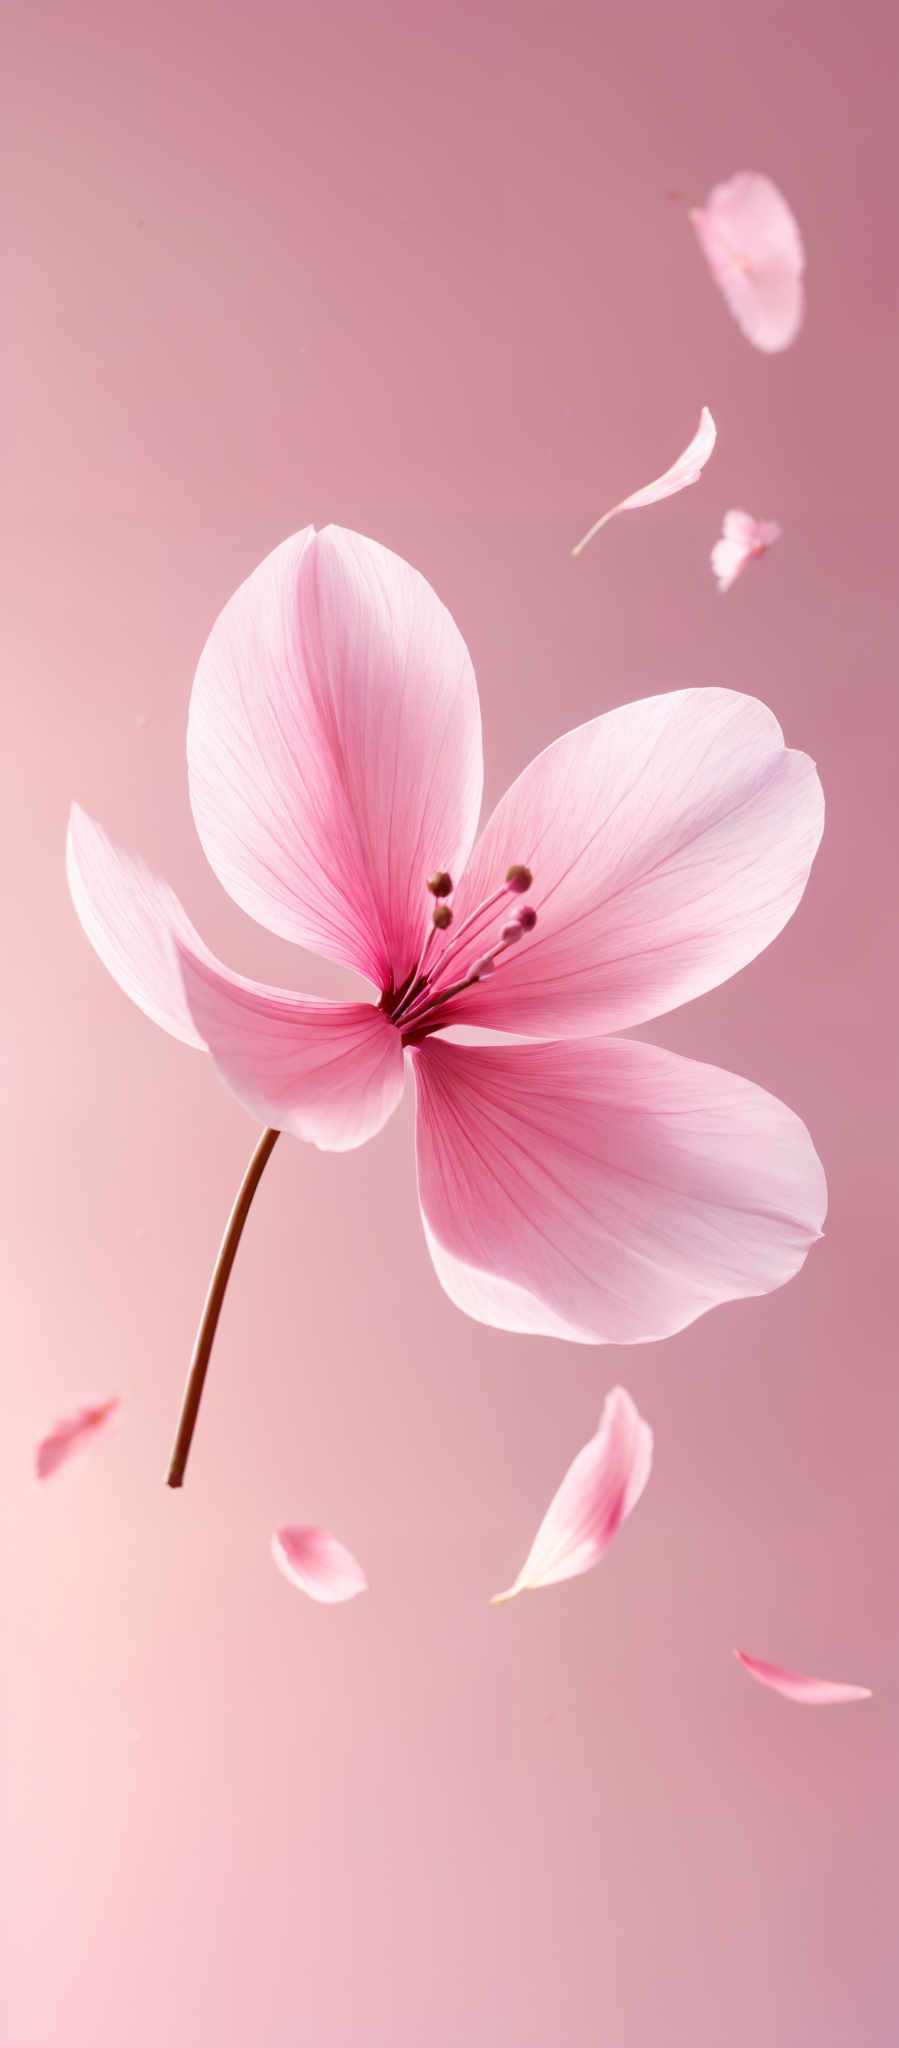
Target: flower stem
(193, 1392)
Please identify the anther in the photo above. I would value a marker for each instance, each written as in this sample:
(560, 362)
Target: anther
(511, 933)
(441, 884)
(526, 918)
(442, 917)
(481, 967)
(518, 879)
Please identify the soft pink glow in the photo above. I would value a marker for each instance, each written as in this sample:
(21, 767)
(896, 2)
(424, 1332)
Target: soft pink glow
(754, 250)
(73, 1433)
(743, 538)
(686, 470)
(602, 1484)
(795, 1685)
(318, 1564)
(411, 268)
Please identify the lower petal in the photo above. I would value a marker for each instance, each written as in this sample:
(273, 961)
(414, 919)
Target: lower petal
(604, 1190)
(328, 1072)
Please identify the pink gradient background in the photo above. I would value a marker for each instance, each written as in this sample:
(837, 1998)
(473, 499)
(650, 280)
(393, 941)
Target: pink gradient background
(413, 268)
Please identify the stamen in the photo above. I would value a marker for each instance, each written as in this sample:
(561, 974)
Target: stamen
(442, 917)
(441, 884)
(518, 879)
(526, 917)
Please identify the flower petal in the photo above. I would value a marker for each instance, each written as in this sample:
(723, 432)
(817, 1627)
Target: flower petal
(686, 470)
(604, 1190)
(318, 1564)
(72, 1433)
(669, 842)
(809, 1692)
(599, 1489)
(328, 1072)
(132, 919)
(334, 748)
(753, 247)
(741, 539)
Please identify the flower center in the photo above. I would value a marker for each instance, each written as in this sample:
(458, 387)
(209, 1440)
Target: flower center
(418, 1007)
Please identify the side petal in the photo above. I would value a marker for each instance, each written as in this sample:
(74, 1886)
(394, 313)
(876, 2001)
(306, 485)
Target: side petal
(686, 470)
(334, 749)
(328, 1072)
(318, 1564)
(599, 1489)
(753, 247)
(795, 1685)
(72, 1433)
(669, 842)
(605, 1190)
(132, 919)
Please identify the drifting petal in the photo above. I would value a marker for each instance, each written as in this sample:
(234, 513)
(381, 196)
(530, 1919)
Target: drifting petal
(72, 1433)
(686, 470)
(809, 1692)
(669, 842)
(318, 1564)
(604, 1190)
(132, 919)
(754, 250)
(334, 748)
(742, 538)
(599, 1489)
(328, 1072)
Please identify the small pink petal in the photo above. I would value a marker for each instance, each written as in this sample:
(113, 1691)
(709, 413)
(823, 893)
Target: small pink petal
(742, 538)
(754, 250)
(599, 1489)
(795, 1685)
(72, 1433)
(686, 470)
(318, 1564)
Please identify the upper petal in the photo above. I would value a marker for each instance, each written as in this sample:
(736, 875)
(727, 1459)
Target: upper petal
(328, 1072)
(334, 748)
(751, 242)
(605, 1190)
(669, 841)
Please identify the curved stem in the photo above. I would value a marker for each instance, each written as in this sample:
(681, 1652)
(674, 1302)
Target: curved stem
(193, 1392)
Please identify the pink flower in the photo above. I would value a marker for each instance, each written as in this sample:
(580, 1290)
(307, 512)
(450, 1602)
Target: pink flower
(753, 247)
(742, 539)
(585, 1186)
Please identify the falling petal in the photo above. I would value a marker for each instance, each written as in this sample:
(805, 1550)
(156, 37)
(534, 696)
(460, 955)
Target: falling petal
(809, 1692)
(742, 538)
(686, 470)
(72, 1433)
(598, 1491)
(754, 250)
(314, 1561)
